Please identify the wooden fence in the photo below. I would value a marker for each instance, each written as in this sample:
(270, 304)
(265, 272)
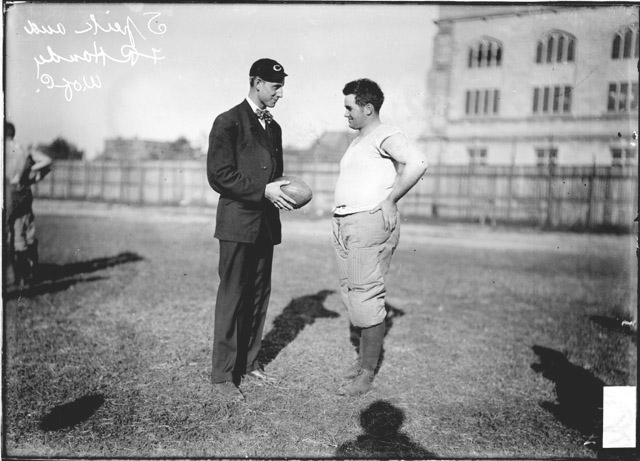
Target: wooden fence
(581, 197)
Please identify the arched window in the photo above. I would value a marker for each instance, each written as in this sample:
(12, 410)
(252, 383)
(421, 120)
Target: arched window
(539, 51)
(556, 46)
(550, 43)
(626, 43)
(486, 52)
(570, 48)
(561, 49)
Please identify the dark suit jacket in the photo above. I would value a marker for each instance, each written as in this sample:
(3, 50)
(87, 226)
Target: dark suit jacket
(241, 161)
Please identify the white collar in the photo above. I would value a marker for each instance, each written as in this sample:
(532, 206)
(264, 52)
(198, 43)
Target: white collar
(252, 104)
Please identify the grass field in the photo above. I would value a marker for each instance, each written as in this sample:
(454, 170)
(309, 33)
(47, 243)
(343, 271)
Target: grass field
(498, 345)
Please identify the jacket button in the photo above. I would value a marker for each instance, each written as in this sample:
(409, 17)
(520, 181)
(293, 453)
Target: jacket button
(264, 167)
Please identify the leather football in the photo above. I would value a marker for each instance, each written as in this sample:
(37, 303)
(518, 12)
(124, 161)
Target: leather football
(297, 189)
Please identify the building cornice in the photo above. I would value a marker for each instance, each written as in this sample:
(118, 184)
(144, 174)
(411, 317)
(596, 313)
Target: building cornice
(519, 10)
(537, 119)
(541, 138)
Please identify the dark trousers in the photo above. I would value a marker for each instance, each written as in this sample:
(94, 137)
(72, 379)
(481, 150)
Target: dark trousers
(241, 308)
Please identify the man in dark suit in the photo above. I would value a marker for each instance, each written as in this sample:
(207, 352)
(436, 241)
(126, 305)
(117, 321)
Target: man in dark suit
(244, 159)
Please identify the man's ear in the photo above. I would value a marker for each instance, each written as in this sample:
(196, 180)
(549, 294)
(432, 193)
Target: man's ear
(369, 109)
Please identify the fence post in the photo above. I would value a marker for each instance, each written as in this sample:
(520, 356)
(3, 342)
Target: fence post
(160, 172)
(103, 173)
(205, 187)
(440, 177)
(494, 199)
(469, 198)
(53, 188)
(436, 192)
(510, 178)
(69, 193)
(551, 172)
(182, 183)
(314, 177)
(123, 180)
(608, 205)
(85, 182)
(142, 180)
(592, 179)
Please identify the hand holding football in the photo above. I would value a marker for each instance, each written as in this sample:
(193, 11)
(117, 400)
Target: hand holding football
(297, 189)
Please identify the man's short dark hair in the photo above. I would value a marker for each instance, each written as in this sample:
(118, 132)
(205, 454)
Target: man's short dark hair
(366, 92)
(9, 130)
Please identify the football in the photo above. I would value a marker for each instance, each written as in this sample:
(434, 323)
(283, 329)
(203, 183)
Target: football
(297, 189)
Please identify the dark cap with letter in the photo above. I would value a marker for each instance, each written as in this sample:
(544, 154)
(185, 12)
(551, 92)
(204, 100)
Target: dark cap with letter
(268, 70)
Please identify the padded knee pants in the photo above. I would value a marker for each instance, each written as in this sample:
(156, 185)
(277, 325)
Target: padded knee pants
(363, 251)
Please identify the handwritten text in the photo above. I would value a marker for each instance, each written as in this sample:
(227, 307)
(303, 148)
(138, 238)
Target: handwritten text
(112, 43)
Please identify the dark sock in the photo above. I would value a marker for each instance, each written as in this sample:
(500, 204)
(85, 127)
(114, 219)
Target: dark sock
(371, 345)
(21, 266)
(32, 257)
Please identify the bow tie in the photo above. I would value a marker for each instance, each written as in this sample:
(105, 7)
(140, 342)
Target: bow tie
(264, 114)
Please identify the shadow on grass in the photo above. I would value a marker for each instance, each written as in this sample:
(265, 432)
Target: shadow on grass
(578, 392)
(42, 288)
(382, 438)
(354, 332)
(614, 324)
(71, 414)
(52, 272)
(52, 278)
(299, 313)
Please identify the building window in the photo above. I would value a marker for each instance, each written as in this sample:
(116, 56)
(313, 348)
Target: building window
(626, 43)
(552, 100)
(623, 156)
(477, 156)
(482, 102)
(622, 97)
(556, 47)
(485, 53)
(546, 156)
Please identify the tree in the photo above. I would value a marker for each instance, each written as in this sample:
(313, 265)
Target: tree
(181, 148)
(61, 149)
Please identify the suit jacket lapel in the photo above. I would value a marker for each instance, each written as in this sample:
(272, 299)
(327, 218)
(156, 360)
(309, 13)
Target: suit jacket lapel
(256, 128)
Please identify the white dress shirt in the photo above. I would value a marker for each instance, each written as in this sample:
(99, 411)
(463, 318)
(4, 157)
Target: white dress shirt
(255, 108)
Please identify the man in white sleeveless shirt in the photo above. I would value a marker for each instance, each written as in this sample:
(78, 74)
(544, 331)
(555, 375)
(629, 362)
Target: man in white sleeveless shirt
(380, 166)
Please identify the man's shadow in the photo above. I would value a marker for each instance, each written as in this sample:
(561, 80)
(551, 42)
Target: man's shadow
(299, 313)
(382, 438)
(578, 393)
(71, 414)
(51, 278)
(354, 332)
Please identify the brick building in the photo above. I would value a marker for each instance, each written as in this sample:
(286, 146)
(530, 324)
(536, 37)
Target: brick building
(533, 85)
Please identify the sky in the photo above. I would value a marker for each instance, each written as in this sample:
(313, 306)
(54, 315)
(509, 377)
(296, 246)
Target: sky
(88, 72)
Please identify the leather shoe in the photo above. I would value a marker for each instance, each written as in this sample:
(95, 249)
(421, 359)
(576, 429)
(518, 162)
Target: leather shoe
(228, 392)
(352, 371)
(261, 375)
(362, 384)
